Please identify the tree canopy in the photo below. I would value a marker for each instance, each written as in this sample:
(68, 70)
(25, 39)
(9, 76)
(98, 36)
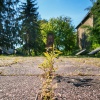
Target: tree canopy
(95, 31)
(29, 25)
(20, 24)
(64, 33)
(8, 32)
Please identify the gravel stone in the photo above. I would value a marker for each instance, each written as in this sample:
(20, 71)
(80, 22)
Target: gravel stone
(21, 81)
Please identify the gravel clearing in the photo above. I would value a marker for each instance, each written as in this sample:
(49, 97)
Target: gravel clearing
(68, 88)
(19, 87)
(78, 88)
(77, 79)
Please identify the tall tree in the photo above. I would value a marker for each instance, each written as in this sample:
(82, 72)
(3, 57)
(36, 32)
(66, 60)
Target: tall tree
(1, 19)
(9, 32)
(28, 18)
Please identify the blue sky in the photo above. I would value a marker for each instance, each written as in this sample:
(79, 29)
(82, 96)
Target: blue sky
(75, 9)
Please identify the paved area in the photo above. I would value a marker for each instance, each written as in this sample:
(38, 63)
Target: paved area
(67, 87)
(66, 66)
(77, 79)
(19, 87)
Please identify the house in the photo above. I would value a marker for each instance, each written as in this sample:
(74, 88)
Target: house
(81, 32)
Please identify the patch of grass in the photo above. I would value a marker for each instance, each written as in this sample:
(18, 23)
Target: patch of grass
(0, 72)
(84, 74)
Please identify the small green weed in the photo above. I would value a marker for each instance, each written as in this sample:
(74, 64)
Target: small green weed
(48, 67)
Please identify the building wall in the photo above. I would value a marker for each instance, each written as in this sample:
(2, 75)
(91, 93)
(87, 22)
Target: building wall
(82, 32)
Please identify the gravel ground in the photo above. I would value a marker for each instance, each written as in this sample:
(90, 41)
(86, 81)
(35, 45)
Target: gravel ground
(19, 87)
(21, 81)
(68, 88)
(78, 88)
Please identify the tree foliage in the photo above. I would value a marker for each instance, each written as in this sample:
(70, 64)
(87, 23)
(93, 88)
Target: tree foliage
(29, 25)
(64, 37)
(95, 31)
(1, 19)
(96, 13)
(8, 32)
(20, 24)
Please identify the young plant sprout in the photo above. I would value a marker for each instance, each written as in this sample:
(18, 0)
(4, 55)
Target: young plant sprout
(48, 67)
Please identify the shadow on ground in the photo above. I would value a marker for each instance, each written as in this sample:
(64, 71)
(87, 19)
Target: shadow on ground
(77, 81)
